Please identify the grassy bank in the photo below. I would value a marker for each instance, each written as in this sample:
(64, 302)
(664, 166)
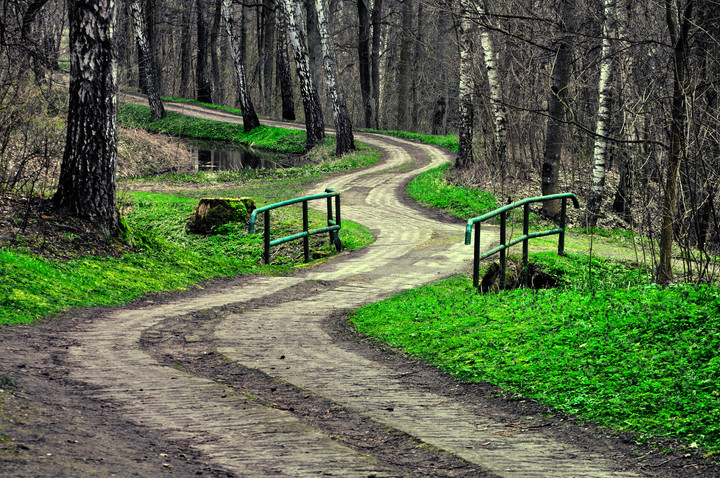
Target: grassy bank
(611, 348)
(165, 255)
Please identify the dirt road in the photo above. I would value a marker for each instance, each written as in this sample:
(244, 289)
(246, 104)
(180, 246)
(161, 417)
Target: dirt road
(258, 376)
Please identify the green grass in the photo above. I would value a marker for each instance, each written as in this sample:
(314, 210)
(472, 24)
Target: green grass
(615, 349)
(431, 189)
(449, 141)
(227, 109)
(168, 258)
(265, 137)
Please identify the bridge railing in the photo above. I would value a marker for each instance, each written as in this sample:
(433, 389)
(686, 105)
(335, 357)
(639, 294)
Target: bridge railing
(525, 238)
(333, 223)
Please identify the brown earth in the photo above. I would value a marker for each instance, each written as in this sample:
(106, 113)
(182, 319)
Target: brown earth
(263, 376)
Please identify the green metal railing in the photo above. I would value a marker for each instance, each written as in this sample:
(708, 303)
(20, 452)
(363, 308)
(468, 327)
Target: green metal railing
(525, 238)
(332, 228)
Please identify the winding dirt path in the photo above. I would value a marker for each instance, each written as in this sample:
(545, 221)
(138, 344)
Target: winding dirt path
(278, 326)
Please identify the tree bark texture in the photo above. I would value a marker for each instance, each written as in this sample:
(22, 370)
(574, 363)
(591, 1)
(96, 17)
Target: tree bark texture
(218, 96)
(250, 119)
(157, 110)
(86, 186)
(465, 155)
(404, 67)
(557, 105)
(314, 125)
(343, 127)
(678, 22)
(268, 50)
(284, 78)
(185, 54)
(601, 150)
(204, 87)
(376, 21)
(364, 63)
(497, 106)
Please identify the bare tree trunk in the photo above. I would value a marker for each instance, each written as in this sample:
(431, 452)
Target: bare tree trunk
(204, 88)
(679, 21)
(250, 119)
(605, 97)
(364, 63)
(404, 67)
(416, 67)
(497, 106)
(268, 51)
(86, 186)
(157, 110)
(283, 67)
(314, 126)
(215, 53)
(557, 104)
(185, 56)
(314, 50)
(343, 128)
(376, 21)
(465, 155)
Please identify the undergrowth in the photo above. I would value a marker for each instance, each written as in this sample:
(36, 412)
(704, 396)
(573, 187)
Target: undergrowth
(612, 348)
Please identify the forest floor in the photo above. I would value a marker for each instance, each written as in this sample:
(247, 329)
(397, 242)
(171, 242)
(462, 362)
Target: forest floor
(264, 376)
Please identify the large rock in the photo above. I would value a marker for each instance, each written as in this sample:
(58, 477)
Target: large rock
(213, 212)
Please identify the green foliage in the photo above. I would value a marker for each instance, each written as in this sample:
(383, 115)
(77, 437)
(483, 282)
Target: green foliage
(226, 109)
(265, 137)
(431, 189)
(626, 354)
(449, 141)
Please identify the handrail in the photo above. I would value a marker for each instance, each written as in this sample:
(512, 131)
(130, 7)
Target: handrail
(525, 238)
(334, 223)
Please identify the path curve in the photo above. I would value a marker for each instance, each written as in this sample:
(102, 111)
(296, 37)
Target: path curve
(289, 341)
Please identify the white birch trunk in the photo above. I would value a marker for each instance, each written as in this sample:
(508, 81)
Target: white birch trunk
(344, 134)
(250, 119)
(602, 145)
(157, 110)
(465, 155)
(497, 107)
(315, 129)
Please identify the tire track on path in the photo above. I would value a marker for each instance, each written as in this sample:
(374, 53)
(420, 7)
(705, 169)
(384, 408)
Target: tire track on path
(288, 341)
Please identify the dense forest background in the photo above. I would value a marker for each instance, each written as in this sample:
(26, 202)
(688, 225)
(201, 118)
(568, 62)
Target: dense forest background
(615, 100)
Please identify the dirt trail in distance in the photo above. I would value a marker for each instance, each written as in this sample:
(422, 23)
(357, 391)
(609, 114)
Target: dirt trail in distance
(258, 376)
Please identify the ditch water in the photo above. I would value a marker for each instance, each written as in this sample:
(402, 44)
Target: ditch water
(222, 156)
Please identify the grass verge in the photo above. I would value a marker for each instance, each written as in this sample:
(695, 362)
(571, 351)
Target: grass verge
(265, 137)
(167, 257)
(615, 349)
(431, 189)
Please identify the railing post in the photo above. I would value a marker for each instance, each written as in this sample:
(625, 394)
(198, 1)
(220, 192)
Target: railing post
(306, 239)
(526, 241)
(476, 261)
(330, 218)
(561, 236)
(503, 261)
(266, 238)
(338, 222)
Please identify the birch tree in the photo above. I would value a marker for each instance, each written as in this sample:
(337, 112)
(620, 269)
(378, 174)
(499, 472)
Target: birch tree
(314, 126)
(250, 119)
(343, 127)
(364, 63)
(497, 106)
(602, 124)
(157, 110)
(465, 155)
(86, 187)
(283, 68)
